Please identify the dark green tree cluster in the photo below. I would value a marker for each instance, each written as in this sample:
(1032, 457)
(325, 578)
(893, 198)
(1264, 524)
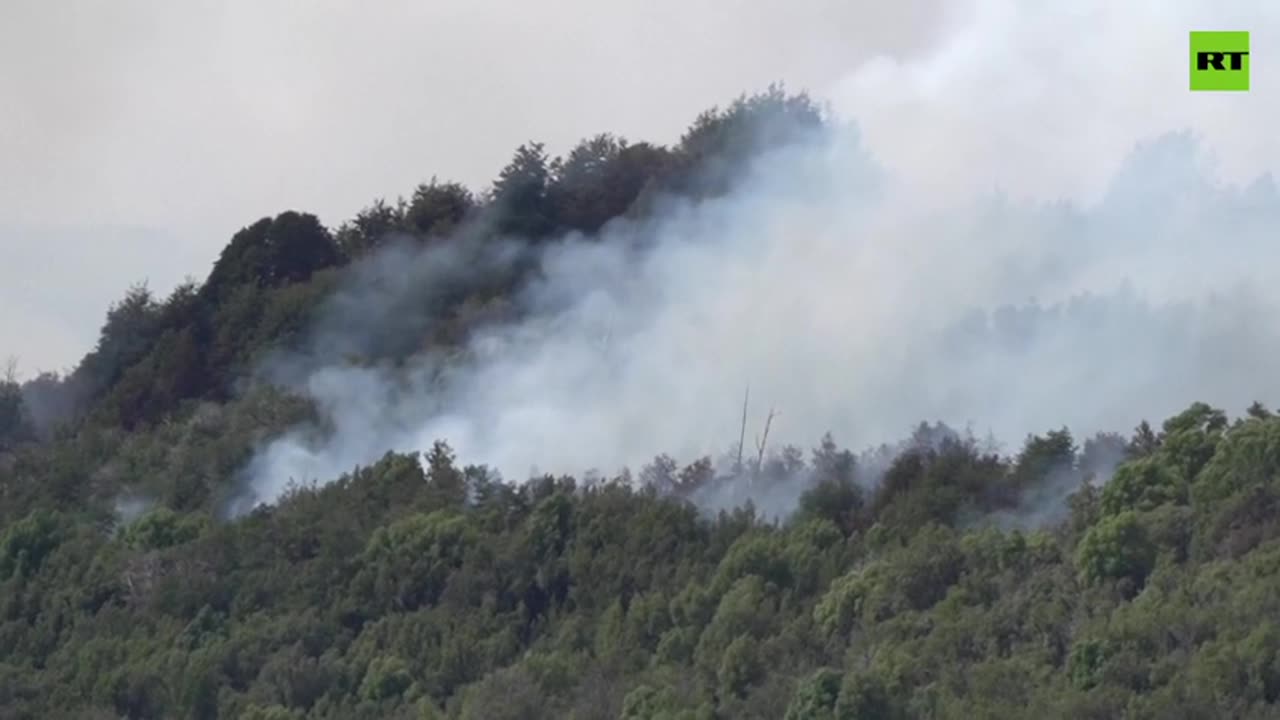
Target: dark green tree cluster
(15, 422)
(156, 355)
(420, 587)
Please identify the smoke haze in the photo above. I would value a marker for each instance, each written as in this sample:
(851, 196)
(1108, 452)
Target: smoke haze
(1034, 224)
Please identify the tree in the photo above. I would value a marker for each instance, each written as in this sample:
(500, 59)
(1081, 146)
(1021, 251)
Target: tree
(162, 528)
(126, 336)
(437, 209)
(740, 666)
(386, 677)
(370, 227)
(447, 485)
(714, 150)
(815, 698)
(15, 422)
(520, 195)
(661, 474)
(837, 500)
(508, 694)
(694, 476)
(1044, 455)
(864, 695)
(1191, 437)
(1145, 441)
(298, 245)
(273, 251)
(1258, 411)
(1142, 485)
(406, 564)
(1117, 547)
(26, 544)
(601, 179)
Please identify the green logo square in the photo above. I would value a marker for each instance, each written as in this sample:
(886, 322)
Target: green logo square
(1220, 61)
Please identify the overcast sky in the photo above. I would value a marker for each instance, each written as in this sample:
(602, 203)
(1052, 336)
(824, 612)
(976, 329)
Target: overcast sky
(136, 137)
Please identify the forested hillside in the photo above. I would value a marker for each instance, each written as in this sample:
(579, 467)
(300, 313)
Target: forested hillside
(1107, 576)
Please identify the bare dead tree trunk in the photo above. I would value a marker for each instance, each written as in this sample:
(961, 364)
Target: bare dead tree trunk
(742, 437)
(762, 441)
(10, 370)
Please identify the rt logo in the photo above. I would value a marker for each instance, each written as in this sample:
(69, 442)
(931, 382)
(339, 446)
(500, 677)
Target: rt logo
(1220, 61)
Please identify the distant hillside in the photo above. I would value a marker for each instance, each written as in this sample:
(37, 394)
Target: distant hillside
(1086, 577)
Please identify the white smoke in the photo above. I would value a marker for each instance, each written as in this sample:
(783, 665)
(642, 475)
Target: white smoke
(1026, 230)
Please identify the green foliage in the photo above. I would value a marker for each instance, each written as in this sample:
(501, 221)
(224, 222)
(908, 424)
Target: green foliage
(15, 423)
(838, 500)
(1191, 437)
(438, 209)
(130, 328)
(602, 178)
(271, 712)
(648, 703)
(1086, 662)
(864, 695)
(1247, 456)
(162, 528)
(721, 141)
(27, 543)
(274, 251)
(1043, 455)
(1143, 485)
(816, 697)
(507, 694)
(521, 193)
(370, 228)
(1117, 547)
(416, 588)
(447, 484)
(408, 562)
(740, 667)
(387, 677)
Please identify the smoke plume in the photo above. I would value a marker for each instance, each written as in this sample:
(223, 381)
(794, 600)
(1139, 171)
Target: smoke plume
(1033, 224)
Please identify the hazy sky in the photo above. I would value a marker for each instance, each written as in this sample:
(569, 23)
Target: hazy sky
(136, 137)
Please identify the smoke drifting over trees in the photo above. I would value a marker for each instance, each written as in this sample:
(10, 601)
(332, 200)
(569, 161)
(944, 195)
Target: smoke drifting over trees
(814, 279)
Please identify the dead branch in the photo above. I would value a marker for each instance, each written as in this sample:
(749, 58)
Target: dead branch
(763, 440)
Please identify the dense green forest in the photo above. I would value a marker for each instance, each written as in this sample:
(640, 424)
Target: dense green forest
(907, 583)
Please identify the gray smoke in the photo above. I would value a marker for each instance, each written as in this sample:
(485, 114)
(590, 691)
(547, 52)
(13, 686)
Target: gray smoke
(1010, 239)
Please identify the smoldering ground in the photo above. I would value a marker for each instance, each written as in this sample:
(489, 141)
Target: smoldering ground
(859, 281)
